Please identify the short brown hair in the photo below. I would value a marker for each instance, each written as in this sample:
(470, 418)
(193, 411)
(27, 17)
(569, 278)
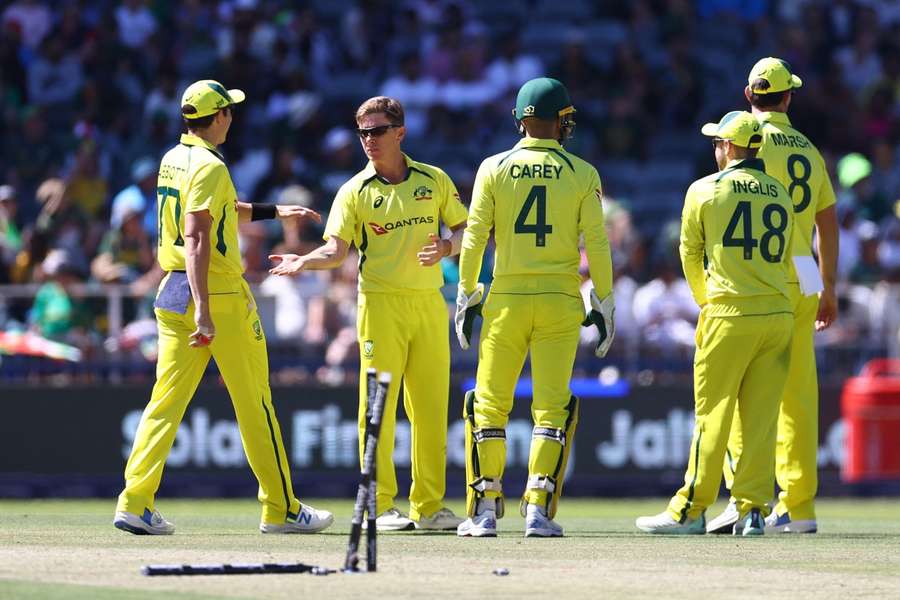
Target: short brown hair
(391, 108)
(764, 100)
(200, 123)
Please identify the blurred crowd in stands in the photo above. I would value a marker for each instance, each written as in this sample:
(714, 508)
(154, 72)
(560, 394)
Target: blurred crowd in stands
(90, 93)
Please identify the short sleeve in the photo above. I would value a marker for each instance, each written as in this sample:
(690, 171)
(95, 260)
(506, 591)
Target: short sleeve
(342, 218)
(453, 212)
(826, 191)
(207, 188)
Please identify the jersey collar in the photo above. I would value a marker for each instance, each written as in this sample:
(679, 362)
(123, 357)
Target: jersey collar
(747, 163)
(369, 174)
(528, 142)
(773, 117)
(189, 139)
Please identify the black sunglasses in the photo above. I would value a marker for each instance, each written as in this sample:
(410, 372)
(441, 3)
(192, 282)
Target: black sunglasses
(374, 131)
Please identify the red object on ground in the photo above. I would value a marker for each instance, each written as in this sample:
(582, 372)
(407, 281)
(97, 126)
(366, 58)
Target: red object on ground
(870, 404)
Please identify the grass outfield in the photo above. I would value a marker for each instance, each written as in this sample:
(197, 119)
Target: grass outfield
(69, 549)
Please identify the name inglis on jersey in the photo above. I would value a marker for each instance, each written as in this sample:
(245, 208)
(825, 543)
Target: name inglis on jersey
(392, 225)
(753, 187)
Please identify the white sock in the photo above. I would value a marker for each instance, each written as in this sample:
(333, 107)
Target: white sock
(535, 508)
(486, 504)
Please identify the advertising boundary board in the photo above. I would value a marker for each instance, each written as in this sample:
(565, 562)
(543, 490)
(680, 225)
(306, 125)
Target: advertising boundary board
(73, 442)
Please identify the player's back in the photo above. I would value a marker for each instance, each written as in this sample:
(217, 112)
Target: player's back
(747, 228)
(794, 161)
(193, 176)
(539, 194)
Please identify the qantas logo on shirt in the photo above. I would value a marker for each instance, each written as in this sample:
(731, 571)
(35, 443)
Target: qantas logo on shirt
(392, 225)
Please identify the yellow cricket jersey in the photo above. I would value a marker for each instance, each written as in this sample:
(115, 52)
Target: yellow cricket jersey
(193, 177)
(792, 159)
(389, 224)
(738, 221)
(539, 199)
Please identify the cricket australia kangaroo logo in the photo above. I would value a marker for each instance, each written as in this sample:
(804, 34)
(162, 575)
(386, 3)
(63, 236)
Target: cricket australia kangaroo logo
(369, 349)
(422, 193)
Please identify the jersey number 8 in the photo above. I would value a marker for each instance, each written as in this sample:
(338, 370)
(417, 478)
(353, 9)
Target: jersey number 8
(799, 180)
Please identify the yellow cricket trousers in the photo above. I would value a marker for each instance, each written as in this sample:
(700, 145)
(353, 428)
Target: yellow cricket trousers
(740, 362)
(797, 445)
(548, 325)
(407, 335)
(239, 349)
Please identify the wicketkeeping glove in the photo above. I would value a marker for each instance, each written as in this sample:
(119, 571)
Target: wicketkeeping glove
(602, 314)
(467, 308)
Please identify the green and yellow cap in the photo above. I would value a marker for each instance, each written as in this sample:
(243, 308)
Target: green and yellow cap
(776, 74)
(205, 97)
(544, 98)
(738, 127)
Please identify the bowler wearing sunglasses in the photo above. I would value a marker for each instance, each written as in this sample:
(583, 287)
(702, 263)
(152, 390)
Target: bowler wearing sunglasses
(392, 212)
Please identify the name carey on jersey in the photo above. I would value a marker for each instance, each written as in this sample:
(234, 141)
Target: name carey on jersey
(754, 187)
(535, 171)
(392, 225)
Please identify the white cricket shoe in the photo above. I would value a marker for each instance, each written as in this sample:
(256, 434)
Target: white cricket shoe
(151, 523)
(664, 523)
(308, 520)
(442, 520)
(394, 520)
(483, 524)
(751, 524)
(783, 524)
(724, 523)
(538, 524)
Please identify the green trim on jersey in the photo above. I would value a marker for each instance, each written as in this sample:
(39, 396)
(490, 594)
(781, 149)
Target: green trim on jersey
(221, 246)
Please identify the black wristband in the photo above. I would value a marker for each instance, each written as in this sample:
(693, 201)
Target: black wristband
(258, 212)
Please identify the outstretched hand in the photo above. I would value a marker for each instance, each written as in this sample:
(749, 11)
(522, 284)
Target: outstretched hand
(286, 264)
(287, 212)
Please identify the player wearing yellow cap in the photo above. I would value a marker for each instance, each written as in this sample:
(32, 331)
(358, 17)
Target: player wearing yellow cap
(392, 211)
(738, 223)
(540, 200)
(205, 309)
(794, 161)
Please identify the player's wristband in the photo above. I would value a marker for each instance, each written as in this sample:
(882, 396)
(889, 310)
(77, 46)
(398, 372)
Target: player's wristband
(259, 212)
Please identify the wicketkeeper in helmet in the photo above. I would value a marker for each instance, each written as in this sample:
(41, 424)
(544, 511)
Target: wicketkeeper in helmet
(541, 201)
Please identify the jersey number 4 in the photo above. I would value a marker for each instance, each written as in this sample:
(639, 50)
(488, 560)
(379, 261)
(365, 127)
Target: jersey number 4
(540, 229)
(742, 218)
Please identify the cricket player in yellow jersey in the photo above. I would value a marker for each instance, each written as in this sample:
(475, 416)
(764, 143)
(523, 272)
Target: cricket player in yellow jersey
(204, 309)
(540, 201)
(793, 160)
(738, 223)
(392, 211)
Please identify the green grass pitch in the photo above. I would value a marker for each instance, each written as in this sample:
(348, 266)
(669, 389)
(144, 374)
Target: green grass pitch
(69, 549)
